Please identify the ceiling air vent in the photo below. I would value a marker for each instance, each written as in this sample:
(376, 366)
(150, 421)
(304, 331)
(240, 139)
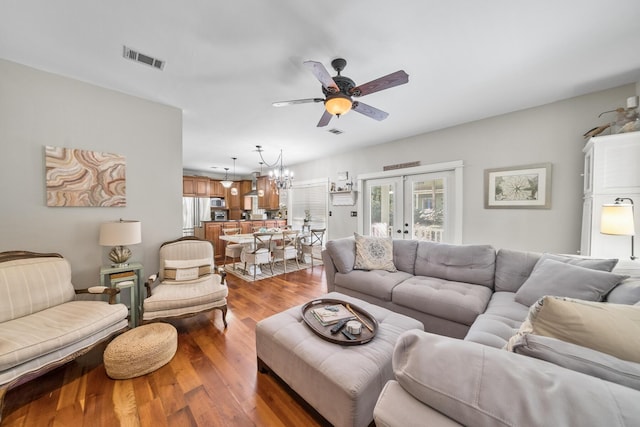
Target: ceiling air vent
(133, 55)
(335, 131)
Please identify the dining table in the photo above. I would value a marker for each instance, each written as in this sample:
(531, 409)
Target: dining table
(247, 240)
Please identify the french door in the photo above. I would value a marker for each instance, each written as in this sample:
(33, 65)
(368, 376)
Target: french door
(419, 206)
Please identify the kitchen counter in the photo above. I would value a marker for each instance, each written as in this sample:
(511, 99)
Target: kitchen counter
(212, 230)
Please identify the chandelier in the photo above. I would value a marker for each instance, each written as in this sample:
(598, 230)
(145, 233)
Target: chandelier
(283, 178)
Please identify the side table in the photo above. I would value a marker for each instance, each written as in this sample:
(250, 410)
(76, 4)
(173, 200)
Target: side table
(130, 276)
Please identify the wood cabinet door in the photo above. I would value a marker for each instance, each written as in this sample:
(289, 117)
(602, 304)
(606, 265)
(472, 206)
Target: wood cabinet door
(216, 189)
(202, 186)
(212, 233)
(246, 227)
(274, 196)
(234, 196)
(188, 186)
(262, 186)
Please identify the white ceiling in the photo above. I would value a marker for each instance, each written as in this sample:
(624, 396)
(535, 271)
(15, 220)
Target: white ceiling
(227, 61)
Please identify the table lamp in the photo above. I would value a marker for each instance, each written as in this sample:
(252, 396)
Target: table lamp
(119, 234)
(617, 219)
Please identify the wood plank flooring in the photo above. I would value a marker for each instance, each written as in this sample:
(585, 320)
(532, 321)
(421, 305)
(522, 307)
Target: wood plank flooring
(211, 381)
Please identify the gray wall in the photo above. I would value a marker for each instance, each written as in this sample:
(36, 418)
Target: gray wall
(38, 109)
(549, 133)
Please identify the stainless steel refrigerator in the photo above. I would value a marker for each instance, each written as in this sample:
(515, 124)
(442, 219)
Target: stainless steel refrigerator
(194, 211)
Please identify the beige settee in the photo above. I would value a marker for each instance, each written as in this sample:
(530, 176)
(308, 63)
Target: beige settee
(42, 325)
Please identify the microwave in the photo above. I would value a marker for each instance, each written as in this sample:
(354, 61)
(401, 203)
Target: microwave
(217, 202)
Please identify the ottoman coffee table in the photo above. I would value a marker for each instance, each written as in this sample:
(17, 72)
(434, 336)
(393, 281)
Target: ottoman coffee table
(342, 383)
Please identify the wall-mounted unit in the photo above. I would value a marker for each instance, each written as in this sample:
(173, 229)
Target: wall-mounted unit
(343, 198)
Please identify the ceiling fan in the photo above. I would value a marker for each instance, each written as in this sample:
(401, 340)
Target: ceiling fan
(339, 91)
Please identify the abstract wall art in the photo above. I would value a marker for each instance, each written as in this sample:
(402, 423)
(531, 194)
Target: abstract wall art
(77, 177)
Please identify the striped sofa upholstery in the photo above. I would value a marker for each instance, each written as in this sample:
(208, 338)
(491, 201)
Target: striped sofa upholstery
(42, 325)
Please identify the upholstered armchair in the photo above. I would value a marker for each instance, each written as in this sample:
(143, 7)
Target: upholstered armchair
(312, 245)
(259, 253)
(186, 284)
(288, 250)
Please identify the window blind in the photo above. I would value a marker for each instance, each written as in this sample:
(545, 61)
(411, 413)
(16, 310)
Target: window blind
(311, 197)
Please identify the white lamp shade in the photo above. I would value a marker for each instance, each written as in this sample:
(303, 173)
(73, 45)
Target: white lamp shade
(617, 219)
(120, 233)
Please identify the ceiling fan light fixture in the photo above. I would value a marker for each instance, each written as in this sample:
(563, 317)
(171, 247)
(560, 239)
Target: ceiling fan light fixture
(338, 104)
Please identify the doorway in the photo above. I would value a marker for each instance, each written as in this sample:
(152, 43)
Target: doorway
(421, 203)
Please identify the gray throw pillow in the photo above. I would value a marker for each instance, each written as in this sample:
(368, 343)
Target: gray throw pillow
(551, 277)
(580, 359)
(601, 264)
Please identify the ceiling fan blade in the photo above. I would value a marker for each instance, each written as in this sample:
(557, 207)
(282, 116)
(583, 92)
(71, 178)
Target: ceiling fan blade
(385, 82)
(369, 111)
(297, 101)
(324, 120)
(323, 75)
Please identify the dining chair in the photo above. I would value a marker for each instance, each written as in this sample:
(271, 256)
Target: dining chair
(232, 250)
(287, 250)
(312, 245)
(259, 254)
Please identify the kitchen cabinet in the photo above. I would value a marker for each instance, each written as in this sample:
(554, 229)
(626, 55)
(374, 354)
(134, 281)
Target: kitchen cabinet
(610, 171)
(235, 198)
(268, 195)
(212, 232)
(216, 189)
(195, 186)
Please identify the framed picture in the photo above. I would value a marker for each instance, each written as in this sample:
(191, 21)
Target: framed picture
(518, 187)
(77, 177)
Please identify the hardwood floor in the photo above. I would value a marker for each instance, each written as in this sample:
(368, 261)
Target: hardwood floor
(211, 381)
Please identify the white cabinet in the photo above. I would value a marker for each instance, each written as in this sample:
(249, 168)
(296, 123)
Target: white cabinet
(611, 169)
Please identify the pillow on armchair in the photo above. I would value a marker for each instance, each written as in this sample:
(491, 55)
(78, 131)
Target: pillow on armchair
(186, 270)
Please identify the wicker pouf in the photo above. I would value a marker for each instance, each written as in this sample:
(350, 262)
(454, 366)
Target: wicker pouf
(140, 351)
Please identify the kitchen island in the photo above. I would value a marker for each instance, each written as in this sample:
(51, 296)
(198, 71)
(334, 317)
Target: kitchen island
(212, 230)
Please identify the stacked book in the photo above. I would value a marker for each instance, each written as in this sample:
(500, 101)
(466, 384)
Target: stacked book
(330, 314)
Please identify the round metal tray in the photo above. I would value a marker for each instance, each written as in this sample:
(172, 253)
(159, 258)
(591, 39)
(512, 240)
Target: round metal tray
(324, 331)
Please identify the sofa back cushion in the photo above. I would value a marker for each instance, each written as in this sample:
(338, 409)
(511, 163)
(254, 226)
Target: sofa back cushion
(513, 268)
(460, 263)
(31, 285)
(185, 250)
(343, 253)
(404, 255)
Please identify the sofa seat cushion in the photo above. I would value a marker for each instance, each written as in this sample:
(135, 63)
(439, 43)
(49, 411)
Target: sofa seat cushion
(46, 331)
(500, 321)
(456, 301)
(483, 386)
(377, 283)
(579, 358)
(168, 296)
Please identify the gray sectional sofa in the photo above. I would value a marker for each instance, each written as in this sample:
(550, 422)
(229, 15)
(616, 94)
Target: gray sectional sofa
(472, 299)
